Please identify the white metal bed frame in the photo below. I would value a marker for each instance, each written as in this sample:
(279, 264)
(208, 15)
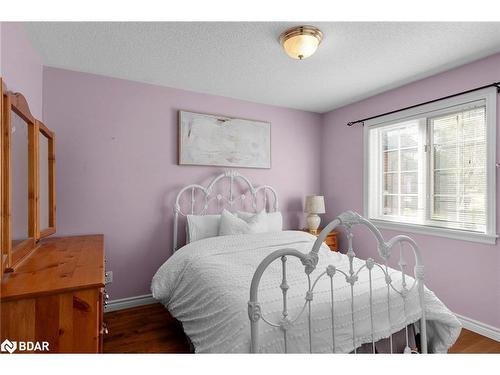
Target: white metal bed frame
(347, 219)
(231, 200)
(310, 260)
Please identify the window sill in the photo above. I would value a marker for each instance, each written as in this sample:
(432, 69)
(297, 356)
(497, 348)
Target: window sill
(456, 234)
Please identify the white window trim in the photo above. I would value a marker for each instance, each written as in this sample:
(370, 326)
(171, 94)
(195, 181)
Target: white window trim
(489, 95)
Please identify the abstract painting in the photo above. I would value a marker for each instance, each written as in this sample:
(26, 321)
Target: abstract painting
(223, 141)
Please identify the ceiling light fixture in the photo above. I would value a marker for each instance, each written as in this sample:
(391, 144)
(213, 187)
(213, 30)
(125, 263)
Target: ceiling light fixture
(300, 42)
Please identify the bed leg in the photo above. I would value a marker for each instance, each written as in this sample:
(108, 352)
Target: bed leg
(254, 314)
(419, 273)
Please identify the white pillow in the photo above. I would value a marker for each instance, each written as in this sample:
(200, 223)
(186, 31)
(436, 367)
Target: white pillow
(274, 220)
(202, 226)
(231, 224)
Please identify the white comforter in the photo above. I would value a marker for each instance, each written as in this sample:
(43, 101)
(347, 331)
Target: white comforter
(206, 285)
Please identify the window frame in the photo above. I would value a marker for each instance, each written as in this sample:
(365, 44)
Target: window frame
(431, 110)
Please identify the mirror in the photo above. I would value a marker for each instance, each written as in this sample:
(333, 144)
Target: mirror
(27, 180)
(3, 249)
(20, 179)
(43, 150)
(46, 181)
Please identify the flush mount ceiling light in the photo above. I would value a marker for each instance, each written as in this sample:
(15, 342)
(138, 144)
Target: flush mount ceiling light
(300, 42)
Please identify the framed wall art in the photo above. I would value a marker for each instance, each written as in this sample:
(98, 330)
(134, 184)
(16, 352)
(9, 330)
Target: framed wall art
(223, 141)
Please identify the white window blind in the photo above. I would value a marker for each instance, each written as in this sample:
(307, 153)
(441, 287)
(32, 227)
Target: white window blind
(434, 170)
(459, 169)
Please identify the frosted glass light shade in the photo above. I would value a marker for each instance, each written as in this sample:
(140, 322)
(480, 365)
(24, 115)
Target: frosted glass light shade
(315, 204)
(301, 42)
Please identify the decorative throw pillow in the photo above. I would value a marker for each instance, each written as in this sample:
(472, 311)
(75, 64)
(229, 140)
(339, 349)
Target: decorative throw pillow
(202, 226)
(274, 220)
(231, 224)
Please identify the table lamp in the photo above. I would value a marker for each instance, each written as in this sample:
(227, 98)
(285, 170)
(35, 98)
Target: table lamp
(315, 204)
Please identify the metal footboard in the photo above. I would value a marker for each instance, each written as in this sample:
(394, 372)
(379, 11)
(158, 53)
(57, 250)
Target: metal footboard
(310, 261)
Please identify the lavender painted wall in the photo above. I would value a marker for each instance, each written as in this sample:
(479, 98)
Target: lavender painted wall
(21, 66)
(117, 169)
(465, 275)
(21, 71)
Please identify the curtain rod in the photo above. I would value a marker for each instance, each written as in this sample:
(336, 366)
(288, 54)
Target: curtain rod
(362, 121)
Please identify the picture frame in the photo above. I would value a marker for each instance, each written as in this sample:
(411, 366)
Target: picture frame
(213, 140)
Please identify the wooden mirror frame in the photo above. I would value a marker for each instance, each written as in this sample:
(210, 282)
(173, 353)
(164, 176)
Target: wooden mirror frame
(51, 229)
(17, 103)
(3, 251)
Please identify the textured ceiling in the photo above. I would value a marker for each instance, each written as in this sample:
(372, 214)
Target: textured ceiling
(244, 60)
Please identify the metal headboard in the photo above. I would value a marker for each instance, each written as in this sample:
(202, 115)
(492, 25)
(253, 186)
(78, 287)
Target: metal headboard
(228, 200)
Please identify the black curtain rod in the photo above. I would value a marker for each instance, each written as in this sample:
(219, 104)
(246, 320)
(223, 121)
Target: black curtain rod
(362, 121)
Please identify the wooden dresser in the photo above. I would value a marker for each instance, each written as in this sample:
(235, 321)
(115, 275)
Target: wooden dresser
(57, 295)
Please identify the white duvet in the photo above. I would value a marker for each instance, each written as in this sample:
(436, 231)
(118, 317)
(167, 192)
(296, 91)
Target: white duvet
(206, 285)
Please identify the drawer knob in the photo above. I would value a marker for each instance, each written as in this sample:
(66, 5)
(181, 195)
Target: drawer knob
(105, 328)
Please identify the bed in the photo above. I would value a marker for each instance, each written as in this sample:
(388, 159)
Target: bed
(286, 292)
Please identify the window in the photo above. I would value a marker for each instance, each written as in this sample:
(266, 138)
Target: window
(431, 169)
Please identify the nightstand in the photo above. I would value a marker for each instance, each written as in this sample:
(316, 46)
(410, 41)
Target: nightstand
(330, 240)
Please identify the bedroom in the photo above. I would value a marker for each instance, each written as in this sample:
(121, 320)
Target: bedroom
(127, 127)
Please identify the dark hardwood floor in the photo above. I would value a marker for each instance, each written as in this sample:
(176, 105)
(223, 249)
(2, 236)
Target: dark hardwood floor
(144, 329)
(151, 329)
(471, 342)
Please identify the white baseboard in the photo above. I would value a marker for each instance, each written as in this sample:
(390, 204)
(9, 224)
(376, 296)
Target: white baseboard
(125, 303)
(480, 328)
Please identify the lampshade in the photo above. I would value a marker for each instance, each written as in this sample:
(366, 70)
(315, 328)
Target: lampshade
(315, 204)
(301, 42)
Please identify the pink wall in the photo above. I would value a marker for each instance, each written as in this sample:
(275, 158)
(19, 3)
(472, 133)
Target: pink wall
(465, 275)
(21, 66)
(117, 169)
(21, 71)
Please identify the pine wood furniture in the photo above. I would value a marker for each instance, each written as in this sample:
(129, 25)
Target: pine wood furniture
(14, 104)
(57, 295)
(3, 254)
(330, 240)
(15, 250)
(47, 175)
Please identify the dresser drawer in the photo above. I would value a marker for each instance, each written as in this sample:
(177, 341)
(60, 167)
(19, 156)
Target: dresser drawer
(61, 305)
(331, 241)
(69, 322)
